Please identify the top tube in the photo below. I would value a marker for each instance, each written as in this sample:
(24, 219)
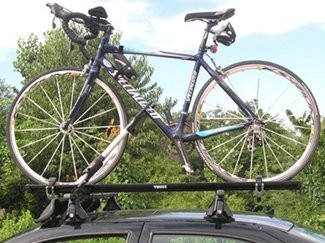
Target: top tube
(165, 54)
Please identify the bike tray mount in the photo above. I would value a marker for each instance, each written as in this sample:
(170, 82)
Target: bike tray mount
(71, 204)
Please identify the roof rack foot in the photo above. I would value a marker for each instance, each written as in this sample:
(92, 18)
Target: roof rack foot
(112, 204)
(75, 212)
(218, 211)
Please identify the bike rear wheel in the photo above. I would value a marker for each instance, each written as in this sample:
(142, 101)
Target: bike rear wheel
(39, 145)
(276, 149)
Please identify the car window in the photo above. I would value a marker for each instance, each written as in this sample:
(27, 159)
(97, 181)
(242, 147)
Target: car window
(91, 239)
(165, 238)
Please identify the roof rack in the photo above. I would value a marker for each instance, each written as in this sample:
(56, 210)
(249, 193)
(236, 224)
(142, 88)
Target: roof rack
(71, 204)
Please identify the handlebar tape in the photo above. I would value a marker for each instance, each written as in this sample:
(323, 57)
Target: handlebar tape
(66, 16)
(72, 35)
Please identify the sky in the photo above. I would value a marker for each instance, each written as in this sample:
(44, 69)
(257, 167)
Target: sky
(288, 32)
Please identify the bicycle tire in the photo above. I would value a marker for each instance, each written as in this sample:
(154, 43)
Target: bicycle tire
(41, 149)
(276, 150)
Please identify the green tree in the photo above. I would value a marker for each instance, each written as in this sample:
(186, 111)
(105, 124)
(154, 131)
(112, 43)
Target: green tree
(10, 178)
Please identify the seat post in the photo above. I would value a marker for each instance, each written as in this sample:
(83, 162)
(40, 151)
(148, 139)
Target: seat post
(207, 31)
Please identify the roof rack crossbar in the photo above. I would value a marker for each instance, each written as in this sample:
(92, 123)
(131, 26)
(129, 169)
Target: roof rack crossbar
(66, 200)
(170, 187)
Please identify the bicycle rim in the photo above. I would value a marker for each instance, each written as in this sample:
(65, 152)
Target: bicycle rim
(39, 146)
(276, 149)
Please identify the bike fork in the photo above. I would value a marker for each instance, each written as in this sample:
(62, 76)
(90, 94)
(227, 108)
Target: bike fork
(82, 98)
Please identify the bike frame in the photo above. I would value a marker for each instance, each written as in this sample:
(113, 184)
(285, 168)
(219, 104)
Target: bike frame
(101, 61)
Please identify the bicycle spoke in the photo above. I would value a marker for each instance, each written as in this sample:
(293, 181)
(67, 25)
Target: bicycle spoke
(91, 136)
(94, 116)
(228, 141)
(72, 93)
(280, 147)
(43, 148)
(286, 107)
(83, 114)
(87, 144)
(255, 103)
(240, 153)
(61, 156)
(51, 158)
(37, 119)
(39, 107)
(73, 158)
(222, 119)
(59, 95)
(232, 115)
(40, 140)
(51, 102)
(285, 137)
(231, 150)
(80, 152)
(293, 125)
(97, 127)
(264, 157)
(275, 157)
(252, 158)
(276, 100)
(37, 129)
(230, 83)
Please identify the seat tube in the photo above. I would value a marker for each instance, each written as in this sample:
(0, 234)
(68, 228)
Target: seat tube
(194, 76)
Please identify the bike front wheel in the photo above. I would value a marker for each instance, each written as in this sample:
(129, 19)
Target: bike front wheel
(39, 145)
(276, 147)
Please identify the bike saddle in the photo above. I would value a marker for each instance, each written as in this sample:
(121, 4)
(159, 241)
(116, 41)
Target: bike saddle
(207, 16)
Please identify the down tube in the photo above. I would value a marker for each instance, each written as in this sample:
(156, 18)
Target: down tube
(152, 113)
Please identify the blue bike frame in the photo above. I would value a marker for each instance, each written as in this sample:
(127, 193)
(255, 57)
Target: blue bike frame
(101, 61)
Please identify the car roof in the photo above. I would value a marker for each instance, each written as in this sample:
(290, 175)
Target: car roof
(254, 226)
(151, 215)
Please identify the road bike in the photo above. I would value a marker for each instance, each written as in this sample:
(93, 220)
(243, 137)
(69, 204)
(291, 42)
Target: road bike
(252, 118)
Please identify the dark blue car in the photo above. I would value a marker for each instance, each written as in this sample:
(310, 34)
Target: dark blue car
(76, 215)
(166, 226)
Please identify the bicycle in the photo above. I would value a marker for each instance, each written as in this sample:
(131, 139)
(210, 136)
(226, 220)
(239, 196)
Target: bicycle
(252, 118)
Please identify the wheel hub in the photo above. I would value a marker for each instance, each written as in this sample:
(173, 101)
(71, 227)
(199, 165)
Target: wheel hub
(67, 129)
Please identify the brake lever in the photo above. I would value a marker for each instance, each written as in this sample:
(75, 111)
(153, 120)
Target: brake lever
(53, 23)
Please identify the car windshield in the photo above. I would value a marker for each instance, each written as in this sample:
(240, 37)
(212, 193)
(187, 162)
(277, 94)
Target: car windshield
(309, 234)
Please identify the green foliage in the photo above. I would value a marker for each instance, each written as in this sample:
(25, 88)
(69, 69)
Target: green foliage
(35, 57)
(14, 222)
